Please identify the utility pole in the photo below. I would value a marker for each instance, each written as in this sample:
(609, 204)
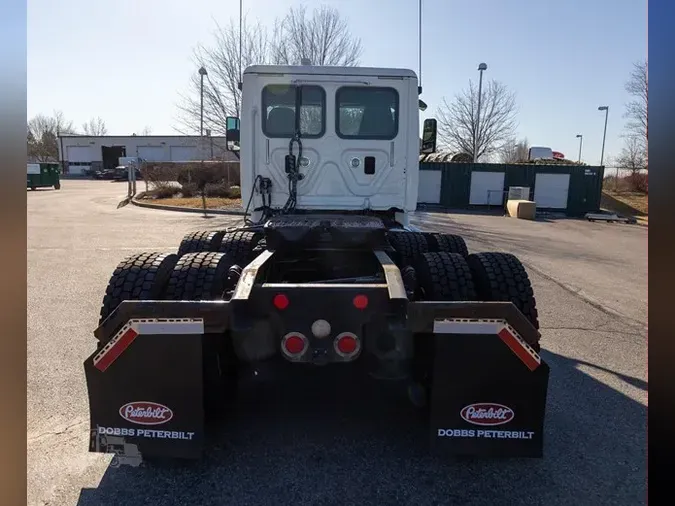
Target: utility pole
(202, 73)
(481, 68)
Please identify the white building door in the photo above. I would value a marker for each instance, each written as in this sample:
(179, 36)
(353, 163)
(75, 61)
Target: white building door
(487, 188)
(429, 188)
(151, 153)
(184, 153)
(551, 190)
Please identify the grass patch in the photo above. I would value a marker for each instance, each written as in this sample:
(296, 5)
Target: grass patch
(626, 203)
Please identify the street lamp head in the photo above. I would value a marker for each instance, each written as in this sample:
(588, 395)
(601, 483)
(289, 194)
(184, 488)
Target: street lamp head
(482, 66)
(202, 71)
(579, 135)
(603, 108)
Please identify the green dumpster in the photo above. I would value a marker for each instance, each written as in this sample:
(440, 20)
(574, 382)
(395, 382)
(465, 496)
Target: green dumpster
(43, 175)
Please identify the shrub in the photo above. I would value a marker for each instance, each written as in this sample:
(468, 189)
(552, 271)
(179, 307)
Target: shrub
(235, 192)
(221, 190)
(213, 172)
(157, 174)
(161, 192)
(637, 182)
(189, 190)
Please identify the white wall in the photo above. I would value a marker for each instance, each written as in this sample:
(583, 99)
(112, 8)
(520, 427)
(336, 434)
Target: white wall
(159, 147)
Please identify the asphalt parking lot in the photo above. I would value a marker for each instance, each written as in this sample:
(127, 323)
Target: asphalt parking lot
(345, 446)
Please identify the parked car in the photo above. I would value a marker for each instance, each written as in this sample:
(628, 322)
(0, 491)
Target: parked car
(103, 174)
(121, 173)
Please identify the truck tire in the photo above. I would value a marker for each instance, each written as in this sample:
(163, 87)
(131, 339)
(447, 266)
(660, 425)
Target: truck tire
(57, 186)
(202, 240)
(199, 276)
(444, 276)
(441, 276)
(448, 243)
(502, 277)
(142, 276)
(409, 246)
(202, 276)
(239, 246)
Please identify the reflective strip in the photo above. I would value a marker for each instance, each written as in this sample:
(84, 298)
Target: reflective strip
(135, 327)
(159, 327)
(523, 351)
(467, 327)
(506, 333)
(115, 347)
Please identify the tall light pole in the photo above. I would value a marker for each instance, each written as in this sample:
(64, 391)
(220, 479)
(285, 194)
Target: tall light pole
(419, 47)
(202, 73)
(482, 67)
(604, 135)
(581, 140)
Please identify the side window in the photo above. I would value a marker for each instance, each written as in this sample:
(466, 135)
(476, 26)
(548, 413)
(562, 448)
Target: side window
(288, 107)
(367, 113)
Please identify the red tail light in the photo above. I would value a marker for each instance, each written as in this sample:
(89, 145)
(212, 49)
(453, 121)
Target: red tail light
(347, 344)
(360, 302)
(294, 344)
(280, 301)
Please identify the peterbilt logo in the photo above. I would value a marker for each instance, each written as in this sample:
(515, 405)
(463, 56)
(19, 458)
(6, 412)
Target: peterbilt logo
(146, 413)
(487, 413)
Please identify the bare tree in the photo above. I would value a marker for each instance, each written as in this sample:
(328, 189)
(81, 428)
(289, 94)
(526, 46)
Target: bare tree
(459, 125)
(633, 156)
(222, 96)
(146, 131)
(636, 109)
(43, 132)
(95, 126)
(514, 151)
(323, 38)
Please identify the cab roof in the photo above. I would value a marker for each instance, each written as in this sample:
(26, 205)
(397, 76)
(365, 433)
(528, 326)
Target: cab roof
(329, 70)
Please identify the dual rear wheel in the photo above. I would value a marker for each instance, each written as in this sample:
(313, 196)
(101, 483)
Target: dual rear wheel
(201, 271)
(444, 270)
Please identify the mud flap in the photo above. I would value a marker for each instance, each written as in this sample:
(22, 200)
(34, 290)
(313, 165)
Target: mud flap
(145, 391)
(488, 394)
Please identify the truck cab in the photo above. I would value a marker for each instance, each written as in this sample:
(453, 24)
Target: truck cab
(351, 134)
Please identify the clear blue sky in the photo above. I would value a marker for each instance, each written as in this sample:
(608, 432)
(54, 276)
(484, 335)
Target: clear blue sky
(126, 60)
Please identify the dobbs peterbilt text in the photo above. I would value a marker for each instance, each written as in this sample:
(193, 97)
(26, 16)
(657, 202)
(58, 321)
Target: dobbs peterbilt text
(493, 434)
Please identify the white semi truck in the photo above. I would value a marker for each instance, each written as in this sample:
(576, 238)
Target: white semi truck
(325, 272)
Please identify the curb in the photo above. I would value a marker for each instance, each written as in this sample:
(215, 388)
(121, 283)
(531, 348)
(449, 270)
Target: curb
(186, 209)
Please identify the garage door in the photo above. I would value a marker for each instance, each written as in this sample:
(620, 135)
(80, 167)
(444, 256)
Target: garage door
(183, 153)
(429, 188)
(78, 154)
(551, 190)
(151, 153)
(487, 188)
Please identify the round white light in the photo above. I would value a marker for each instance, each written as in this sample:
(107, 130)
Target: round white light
(321, 329)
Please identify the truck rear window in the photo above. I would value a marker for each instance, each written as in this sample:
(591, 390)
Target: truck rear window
(288, 107)
(367, 113)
